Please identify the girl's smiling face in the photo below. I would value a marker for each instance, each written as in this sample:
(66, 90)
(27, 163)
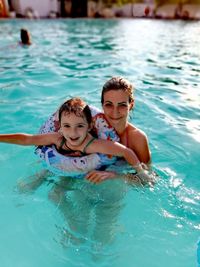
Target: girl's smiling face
(74, 128)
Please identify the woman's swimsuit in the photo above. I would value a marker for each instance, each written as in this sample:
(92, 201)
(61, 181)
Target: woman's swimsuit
(73, 153)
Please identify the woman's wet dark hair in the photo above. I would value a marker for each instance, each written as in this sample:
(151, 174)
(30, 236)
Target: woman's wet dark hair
(76, 106)
(118, 83)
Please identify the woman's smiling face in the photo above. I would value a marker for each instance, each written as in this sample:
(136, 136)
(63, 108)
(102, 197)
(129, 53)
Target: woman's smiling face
(116, 107)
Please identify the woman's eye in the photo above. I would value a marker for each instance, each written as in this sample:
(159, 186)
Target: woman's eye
(80, 126)
(108, 105)
(123, 105)
(66, 126)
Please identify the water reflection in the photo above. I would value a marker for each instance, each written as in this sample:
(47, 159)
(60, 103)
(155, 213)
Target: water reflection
(90, 212)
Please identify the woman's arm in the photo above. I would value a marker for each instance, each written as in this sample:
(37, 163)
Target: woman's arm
(100, 176)
(141, 179)
(29, 139)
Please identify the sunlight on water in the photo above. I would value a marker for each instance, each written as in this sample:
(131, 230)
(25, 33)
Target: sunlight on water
(194, 127)
(58, 221)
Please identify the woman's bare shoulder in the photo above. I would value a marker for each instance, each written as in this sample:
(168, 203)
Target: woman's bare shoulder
(135, 132)
(138, 142)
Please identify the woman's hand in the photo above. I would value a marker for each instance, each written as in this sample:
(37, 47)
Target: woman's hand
(99, 176)
(142, 178)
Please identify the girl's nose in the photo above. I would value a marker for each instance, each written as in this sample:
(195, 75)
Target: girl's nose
(73, 132)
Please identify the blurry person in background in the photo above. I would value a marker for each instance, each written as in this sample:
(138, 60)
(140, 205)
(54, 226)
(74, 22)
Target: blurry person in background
(25, 37)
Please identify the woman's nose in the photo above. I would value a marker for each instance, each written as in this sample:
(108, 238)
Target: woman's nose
(115, 111)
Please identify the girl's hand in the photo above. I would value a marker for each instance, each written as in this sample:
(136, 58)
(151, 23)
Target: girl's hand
(99, 176)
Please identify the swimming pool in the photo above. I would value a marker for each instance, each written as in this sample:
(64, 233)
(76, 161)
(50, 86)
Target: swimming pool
(66, 223)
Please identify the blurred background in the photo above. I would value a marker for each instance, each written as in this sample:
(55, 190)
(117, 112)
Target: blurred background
(159, 9)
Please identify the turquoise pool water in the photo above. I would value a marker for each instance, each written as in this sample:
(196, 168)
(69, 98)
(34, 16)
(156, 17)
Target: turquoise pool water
(73, 223)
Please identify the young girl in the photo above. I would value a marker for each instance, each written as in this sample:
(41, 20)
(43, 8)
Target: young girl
(74, 138)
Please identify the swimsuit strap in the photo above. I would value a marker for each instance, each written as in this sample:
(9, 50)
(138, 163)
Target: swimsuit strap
(69, 149)
(62, 142)
(89, 143)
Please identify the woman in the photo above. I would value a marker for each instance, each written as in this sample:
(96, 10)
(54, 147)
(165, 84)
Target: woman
(117, 101)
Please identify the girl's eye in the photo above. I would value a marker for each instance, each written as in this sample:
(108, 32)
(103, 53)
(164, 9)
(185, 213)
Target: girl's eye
(66, 126)
(80, 126)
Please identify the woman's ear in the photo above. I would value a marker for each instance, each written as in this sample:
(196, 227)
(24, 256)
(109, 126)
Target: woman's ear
(131, 105)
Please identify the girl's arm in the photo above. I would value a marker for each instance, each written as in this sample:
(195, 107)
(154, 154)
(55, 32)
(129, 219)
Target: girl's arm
(116, 149)
(29, 139)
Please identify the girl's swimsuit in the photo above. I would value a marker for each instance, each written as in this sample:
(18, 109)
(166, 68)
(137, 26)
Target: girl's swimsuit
(73, 153)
